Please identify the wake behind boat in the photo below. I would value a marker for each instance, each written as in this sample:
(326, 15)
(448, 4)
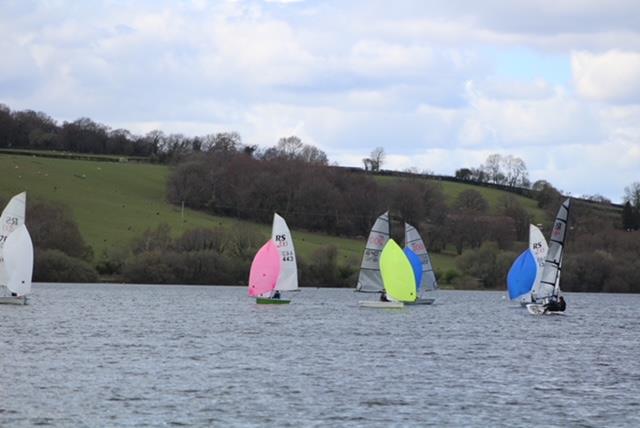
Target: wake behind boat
(380, 305)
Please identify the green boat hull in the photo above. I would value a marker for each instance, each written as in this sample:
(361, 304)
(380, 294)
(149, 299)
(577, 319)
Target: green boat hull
(267, 301)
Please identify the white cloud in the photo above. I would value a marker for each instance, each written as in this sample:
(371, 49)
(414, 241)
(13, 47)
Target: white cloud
(610, 76)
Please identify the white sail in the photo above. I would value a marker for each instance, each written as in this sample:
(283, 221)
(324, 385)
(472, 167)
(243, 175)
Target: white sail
(12, 217)
(18, 256)
(282, 237)
(539, 248)
(370, 279)
(549, 282)
(413, 240)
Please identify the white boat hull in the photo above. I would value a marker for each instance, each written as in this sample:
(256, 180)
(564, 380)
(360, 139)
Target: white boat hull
(13, 300)
(380, 304)
(421, 302)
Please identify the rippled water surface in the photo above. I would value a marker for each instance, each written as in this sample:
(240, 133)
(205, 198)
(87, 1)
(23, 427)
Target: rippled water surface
(113, 355)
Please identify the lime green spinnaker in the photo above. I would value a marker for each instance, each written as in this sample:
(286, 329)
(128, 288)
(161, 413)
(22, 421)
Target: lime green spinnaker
(397, 273)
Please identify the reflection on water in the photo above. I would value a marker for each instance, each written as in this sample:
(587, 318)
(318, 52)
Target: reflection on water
(113, 355)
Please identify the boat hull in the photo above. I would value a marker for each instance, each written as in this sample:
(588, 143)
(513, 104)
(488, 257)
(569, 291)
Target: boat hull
(379, 304)
(421, 302)
(268, 301)
(13, 300)
(538, 309)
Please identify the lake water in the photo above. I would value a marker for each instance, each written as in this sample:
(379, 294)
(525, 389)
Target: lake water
(115, 355)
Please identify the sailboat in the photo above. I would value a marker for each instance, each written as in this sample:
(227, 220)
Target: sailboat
(18, 261)
(274, 266)
(369, 279)
(16, 253)
(265, 271)
(417, 254)
(397, 276)
(548, 288)
(526, 270)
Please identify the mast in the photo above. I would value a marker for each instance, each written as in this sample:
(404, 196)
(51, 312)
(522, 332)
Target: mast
(549, 284)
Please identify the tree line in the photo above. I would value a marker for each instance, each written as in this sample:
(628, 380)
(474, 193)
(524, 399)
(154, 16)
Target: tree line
(28, 129)
(314, 197)
(61, 254)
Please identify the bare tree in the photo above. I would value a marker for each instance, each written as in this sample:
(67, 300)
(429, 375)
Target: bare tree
(632, 194)
(312, 154)
(515, 171)
(377, 158)
(493, 168)
(290, 147)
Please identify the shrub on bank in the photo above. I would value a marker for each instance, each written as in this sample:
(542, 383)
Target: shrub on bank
(56, 266)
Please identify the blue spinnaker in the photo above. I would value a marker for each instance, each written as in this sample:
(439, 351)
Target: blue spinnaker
(522, 275)
(416, 264)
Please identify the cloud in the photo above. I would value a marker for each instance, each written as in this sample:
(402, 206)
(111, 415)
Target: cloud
(439, 85)
(610, 77)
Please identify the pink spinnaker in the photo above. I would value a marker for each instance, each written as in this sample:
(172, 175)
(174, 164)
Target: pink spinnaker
(265, 270)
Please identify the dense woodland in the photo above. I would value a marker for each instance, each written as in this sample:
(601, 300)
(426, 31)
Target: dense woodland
(219, 174)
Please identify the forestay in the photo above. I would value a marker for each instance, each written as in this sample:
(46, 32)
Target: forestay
(12, 217)
(18, 256)
(549, 284)
(281, 236)
(370, 279)
(413, 240)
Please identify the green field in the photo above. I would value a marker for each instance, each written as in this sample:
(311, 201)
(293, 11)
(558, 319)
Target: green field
(114, 202)
(452, 190)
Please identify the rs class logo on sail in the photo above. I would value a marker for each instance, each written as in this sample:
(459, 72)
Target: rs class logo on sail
(281, 240)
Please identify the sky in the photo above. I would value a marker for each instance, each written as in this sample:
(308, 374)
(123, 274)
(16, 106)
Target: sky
(439, 85)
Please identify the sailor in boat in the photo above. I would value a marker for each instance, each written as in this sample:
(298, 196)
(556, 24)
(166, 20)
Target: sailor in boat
(556, 305)
(383, 296)
(276, 295)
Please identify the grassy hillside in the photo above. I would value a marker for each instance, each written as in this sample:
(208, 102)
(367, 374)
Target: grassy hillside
(452, 190)
(114, 202)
